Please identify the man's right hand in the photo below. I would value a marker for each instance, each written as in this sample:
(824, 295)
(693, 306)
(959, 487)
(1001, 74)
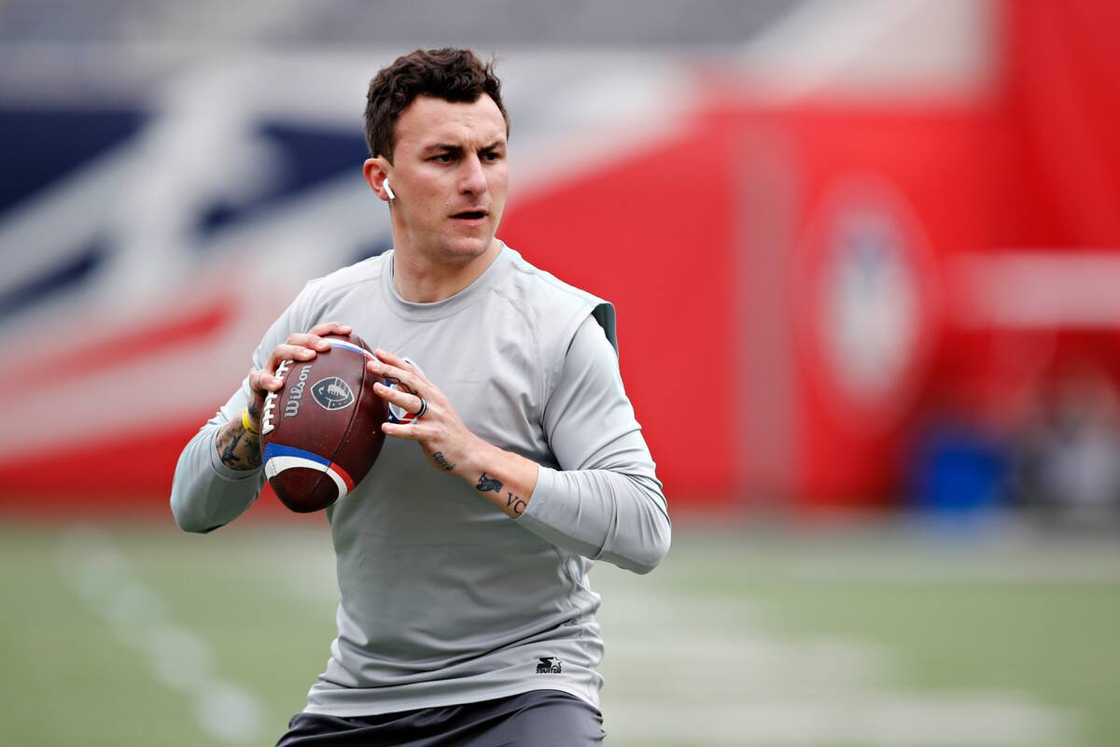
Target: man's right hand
(239, 447)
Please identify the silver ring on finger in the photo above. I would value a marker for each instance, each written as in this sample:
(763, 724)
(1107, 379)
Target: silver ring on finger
(423, 409)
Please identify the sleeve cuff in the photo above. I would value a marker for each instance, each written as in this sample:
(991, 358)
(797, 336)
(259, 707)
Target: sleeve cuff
(539, 507)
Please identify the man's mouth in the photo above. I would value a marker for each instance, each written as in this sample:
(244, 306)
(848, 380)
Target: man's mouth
(470, 215)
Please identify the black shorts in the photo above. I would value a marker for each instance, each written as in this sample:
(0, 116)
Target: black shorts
(540, 718)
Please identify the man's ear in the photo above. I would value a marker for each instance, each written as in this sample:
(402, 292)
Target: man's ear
(376, 171)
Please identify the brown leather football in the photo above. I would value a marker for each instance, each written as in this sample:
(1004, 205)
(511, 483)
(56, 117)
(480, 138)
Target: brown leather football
(321, 433)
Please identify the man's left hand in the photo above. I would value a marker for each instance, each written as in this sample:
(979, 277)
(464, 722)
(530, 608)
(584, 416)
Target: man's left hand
(439, 430)
(502, 477)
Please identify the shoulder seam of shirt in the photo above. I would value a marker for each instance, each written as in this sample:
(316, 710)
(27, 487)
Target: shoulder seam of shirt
(596, 303)
(347, 286)
(589, 300)
(323, 287)
(374, 272)
(547, 277)
(501, 293)
(309, 301)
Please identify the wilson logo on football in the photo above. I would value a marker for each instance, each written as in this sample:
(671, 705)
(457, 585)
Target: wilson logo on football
(295, 392)
(332, 393)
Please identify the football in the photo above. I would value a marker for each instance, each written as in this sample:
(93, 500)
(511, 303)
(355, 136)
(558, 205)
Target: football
(321, 433)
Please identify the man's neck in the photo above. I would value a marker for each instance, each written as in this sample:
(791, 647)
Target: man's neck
(419, 280)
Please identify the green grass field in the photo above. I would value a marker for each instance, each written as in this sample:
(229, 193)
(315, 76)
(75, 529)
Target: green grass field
(138, 635)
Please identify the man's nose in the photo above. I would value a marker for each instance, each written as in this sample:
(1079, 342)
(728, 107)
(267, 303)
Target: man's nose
(472, 180)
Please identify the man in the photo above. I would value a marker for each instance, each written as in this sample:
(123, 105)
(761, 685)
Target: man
(465, 614)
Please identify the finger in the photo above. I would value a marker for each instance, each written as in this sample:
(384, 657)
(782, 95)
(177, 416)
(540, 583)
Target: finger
(391, 358)
(308, 340)
(407, 378)
(413, 432)
(294, 353)
(410, 402)
(410, 374)
(395, 360)
(263, 382)
(256, 385)
(326, 328)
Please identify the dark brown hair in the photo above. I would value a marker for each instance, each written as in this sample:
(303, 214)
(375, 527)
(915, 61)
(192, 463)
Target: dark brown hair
(455, 75)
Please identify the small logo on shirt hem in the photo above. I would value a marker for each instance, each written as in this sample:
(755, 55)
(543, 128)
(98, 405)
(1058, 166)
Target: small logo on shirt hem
(549, 665)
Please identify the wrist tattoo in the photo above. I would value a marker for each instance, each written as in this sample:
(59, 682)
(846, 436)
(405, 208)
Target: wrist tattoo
(441, 460)
(487, 484)
(517, 504)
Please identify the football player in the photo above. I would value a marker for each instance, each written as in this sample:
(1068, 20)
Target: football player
(465, 614)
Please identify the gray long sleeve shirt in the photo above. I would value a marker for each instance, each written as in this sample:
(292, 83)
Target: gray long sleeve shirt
(443, 598)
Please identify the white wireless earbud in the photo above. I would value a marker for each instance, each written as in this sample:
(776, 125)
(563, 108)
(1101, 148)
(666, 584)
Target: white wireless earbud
(389, 189)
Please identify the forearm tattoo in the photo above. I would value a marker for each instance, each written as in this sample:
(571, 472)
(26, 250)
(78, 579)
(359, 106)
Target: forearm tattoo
(516, 503)
(487, 484)
(441, 460)
(238, 448)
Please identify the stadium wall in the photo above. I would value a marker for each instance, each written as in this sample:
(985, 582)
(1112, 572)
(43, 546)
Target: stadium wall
(787, 267)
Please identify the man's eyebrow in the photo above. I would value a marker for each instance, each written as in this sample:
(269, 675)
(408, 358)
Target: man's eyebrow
(456, 148)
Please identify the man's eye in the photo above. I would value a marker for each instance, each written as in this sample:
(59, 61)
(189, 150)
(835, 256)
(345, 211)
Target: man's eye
(442, 158)
(492, 156)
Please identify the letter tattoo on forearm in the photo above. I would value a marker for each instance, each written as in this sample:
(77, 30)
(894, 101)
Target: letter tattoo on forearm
(441, 460)
(516, 503)
(487, 484)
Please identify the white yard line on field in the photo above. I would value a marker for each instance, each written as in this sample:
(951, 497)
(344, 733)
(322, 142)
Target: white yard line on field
(178, 658)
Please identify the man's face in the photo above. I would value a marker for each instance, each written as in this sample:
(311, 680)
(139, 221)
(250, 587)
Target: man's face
(450, 177)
